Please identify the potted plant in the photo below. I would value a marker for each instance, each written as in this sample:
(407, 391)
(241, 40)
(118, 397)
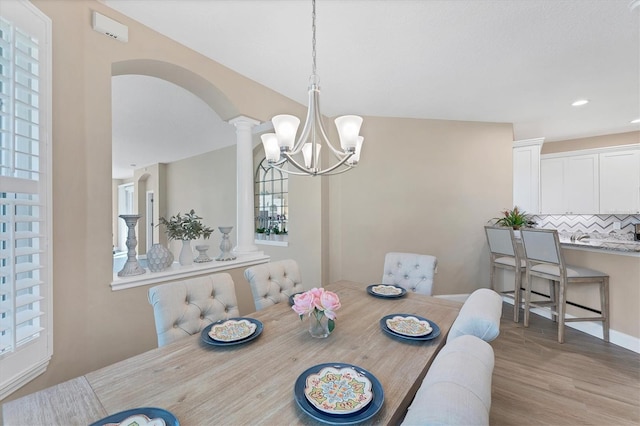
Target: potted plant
(185, 228)
(515, 219)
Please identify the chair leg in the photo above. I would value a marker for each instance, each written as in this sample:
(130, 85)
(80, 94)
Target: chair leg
(553, 298)
(604, 307)
(527, 299)
(492, 276)
(561, 308)
(517, 297)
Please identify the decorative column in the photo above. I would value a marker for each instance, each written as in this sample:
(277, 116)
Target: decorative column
(244, 189)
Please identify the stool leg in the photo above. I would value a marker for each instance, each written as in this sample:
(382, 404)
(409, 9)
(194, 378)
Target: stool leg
(604, 307)
(492, 276)
(561, 308)
(527, 298)
(553, 298)
(517, 296)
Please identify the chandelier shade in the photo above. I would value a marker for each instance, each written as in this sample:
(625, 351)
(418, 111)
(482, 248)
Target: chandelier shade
(283, 147)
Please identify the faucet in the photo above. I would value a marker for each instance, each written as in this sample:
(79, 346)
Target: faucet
(578, 236)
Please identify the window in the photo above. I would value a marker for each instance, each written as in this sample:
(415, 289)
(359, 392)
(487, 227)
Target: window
(25, 195)
(271, 203)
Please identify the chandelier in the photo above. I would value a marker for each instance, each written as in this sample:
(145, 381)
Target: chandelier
(282, 147)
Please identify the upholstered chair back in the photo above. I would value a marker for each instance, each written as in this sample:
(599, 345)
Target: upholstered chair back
(273, 282)
(186, 307)
(414, 272)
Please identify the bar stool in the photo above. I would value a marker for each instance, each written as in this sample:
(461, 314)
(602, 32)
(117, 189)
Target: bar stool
(544, 259)
(504, 255)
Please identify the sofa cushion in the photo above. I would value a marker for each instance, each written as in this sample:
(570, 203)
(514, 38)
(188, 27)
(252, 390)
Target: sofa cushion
(457, 387)
(479, 316)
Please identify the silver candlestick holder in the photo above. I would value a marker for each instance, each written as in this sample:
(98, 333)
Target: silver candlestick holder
(131, 266)
(225, 245)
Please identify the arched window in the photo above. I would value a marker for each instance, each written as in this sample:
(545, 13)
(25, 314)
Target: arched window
(271, 203)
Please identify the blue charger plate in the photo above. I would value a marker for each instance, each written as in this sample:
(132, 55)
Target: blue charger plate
(208, 340)
(151, 412)
(339, 419)
(435, 333)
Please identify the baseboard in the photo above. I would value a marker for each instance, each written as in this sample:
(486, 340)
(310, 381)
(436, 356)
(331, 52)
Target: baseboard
(593, 328)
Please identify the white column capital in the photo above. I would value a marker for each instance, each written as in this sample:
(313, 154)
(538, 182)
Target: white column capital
(243, 122)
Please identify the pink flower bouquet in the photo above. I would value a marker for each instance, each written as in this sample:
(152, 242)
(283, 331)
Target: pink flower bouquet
(317, 302)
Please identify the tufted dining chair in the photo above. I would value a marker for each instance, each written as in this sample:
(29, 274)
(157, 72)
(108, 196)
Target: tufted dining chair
(273, 282)
(414, 272)
(186, 307)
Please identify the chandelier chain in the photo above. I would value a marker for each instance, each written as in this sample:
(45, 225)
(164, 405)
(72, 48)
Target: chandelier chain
(313, 36)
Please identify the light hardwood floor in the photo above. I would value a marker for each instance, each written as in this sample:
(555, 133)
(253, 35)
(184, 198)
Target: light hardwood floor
(584, 381)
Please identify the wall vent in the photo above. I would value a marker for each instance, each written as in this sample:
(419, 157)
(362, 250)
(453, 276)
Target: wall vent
(109, 27)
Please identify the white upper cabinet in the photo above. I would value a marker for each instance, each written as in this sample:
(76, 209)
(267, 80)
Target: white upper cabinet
(526, 174)
(620, 182)
(552, 186)
(569, 184)
(596, 181)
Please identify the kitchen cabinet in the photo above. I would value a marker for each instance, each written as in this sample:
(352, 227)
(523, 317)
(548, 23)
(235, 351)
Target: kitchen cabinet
(526, 174)
(569, 184)
(620, 182)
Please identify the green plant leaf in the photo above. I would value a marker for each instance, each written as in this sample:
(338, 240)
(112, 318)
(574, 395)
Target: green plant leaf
(332, 325)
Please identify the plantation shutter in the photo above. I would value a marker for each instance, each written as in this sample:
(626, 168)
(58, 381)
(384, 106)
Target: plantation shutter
(25, 195)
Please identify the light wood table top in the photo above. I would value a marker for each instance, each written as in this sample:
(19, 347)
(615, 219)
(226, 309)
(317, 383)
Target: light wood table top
(253, 383)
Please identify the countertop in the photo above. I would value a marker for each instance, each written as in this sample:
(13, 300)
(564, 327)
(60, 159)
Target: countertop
(606, 242)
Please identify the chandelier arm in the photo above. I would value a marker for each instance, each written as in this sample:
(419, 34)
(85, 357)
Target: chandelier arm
(316, 103)
(335, 166)
(336, 172)
(291, 172)
(308, 123)
(305, 170)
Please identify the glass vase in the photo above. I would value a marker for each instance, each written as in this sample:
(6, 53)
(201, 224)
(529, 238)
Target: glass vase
(319, 325)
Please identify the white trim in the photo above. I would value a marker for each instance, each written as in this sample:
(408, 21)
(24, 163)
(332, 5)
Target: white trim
(272, 243)
(176, 271)
(528, 142)
(24, 378)
(594, 329)
(607, 149)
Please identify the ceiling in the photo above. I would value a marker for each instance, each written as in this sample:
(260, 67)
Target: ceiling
(516, 61)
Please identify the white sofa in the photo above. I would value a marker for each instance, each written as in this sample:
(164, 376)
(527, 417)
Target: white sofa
(457, 387)
(479, 316)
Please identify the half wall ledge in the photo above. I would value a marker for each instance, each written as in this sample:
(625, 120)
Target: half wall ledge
(176, 271)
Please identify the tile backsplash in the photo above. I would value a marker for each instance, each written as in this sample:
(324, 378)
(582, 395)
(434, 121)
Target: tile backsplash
(602, 224)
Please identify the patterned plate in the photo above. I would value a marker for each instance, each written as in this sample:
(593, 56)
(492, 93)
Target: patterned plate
(338, 391)
(435, 333)
(206, 338)
(139, 420)
(232, 330)
(357, 417)
(387, 291)
(409, 326)
(144, 416)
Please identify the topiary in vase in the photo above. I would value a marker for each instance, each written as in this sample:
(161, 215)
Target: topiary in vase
(185, 228)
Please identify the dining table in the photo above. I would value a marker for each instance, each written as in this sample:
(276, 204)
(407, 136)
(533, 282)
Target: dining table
(253, 383)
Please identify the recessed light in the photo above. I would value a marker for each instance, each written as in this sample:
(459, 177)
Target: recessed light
(580, 102)
(636, 121)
